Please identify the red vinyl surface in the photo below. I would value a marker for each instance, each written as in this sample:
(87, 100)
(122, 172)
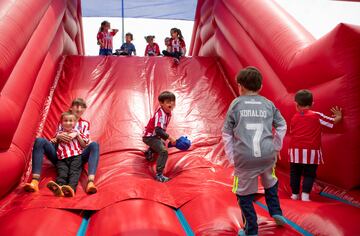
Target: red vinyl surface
(121, 93)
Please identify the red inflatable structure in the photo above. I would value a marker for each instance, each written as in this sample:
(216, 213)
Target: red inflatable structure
(42, 68)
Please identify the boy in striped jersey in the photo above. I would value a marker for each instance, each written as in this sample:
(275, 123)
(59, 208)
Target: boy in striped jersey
(305, 144)
(155, 133)
(252, 147)
(69, 165)
(48, 148)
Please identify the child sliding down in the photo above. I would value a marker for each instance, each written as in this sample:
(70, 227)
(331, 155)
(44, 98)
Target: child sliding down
(69, 165)
(155, 133)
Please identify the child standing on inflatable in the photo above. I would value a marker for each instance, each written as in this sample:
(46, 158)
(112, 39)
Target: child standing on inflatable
(127, 48)
(69, 165)
(251, 146)
(105, 38)
(152, 49)
(155, 133)
(305, 143)
(176, 46)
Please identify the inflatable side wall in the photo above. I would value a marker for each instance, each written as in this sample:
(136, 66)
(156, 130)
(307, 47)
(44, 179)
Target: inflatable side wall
(261, 34)
(35, 34)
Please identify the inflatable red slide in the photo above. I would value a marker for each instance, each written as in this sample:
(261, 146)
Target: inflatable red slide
(43, 68)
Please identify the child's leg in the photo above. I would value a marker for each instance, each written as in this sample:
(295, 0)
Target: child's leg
(91, 154)
(248, 213)
(42, 147)
(75, 171)
(309, 177)
(62, 172)
(296, 170)
(157, 145)
(270, 183)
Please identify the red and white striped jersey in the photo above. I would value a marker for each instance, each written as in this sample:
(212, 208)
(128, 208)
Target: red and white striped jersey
(160, 119)
(106, 38)
(83, 126)
(72, 148)
(305, 132)
(177, 45)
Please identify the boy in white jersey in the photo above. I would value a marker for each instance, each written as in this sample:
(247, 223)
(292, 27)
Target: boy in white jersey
(251, 146)
(69, 165)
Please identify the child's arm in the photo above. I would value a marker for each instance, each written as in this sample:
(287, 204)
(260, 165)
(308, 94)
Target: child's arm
(337, 114)
(80, 138)
(279, 124)
(228, 134)
(163, 135)
(114, 31)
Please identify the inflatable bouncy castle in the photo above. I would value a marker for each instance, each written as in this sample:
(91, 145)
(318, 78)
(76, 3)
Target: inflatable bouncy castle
(43, 68)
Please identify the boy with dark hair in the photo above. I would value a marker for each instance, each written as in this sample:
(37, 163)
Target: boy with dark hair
(155, 133)
(251, 146)
(127, 48)
(305, 143)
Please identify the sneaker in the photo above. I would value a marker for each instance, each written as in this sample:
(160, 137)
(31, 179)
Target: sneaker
(242, 233)
(55, 188)
(295, 196)
(33, 186)
(280, 220)
(305, 197)
(91, 188)
(161, 178)
(68, 191)
(149, 155)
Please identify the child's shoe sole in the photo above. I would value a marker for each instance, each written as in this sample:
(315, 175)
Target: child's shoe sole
(91, 188)
(68, 191)
(55, 188)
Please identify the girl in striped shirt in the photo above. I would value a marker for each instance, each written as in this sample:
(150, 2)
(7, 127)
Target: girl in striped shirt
(69, 165)
(305, 143)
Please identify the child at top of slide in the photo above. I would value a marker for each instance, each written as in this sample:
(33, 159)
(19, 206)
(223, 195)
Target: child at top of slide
(155, 133)
(69, 165)
(127, 48)
(305, 143)
(105, 38)
(176, 47)
(152, 48)
(253, 148)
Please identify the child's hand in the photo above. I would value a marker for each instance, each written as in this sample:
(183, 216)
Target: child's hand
(278, 156)
(63, 137)
(73, 135)
(53, 140)
(172, 140)
(115, 30)
(337, 113)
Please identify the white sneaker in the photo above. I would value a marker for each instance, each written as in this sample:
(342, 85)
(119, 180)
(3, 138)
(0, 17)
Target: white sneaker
(295, 196)
(305, 197)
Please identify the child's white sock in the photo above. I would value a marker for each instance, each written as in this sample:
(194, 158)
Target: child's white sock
(305, 197)
(295, 196)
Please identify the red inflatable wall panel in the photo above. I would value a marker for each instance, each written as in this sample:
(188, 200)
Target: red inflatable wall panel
(29, 55)
(291, 59)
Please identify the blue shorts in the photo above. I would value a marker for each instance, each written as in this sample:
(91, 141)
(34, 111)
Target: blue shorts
(105, 52)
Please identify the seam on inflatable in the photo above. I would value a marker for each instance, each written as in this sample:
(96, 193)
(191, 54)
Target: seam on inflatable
(184, 224)
(45, 110)
(84, 224)
(339, 199)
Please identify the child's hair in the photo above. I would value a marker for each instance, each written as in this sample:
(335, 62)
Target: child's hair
(149, 37)
(167, 39)
(79, 102)
(250, 78)
(166, 95)
(304, 98)
(131, 36)
(178, 31)
(67, 113)
(103, 24)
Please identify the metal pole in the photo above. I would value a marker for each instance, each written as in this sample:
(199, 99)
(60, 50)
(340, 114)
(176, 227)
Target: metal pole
(122, 20)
